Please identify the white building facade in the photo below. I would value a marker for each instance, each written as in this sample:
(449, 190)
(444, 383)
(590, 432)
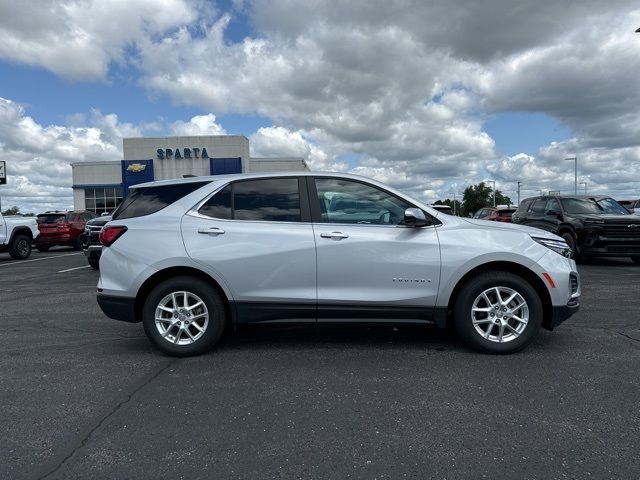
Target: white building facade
(101, 186)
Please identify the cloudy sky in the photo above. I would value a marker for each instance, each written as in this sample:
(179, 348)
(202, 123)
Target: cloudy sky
(427, 95)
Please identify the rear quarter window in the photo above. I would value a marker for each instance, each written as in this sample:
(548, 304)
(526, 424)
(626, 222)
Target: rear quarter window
(147, 200)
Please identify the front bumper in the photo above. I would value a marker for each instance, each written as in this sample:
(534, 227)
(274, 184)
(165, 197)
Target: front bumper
(118, 308)
(562, 313)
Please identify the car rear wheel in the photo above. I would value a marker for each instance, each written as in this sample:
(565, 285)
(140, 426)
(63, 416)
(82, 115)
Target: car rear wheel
(184, 316)
(94, 261)
(498, 312)
(43, 248)
(20, 247)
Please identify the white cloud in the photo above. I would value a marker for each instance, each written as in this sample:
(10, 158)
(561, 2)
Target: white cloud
(38, 157)
(402, 87)
(281, 142)
(198, 125)
(78, 39)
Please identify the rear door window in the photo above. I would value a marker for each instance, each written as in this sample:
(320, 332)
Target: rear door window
(218, 206)
(147, 200)
(271, 200)
(539, 206)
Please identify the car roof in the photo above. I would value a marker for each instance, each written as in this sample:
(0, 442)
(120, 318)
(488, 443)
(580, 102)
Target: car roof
(248, 176)
(579, 197)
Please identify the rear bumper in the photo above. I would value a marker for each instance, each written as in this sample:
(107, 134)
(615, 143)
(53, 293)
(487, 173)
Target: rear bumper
(92, 250)
(118, 308)
(57, 240)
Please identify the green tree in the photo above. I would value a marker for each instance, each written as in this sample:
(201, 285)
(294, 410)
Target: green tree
(479, 196)
(12, 211)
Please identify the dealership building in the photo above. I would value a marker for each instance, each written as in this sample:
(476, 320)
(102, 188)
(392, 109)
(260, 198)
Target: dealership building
(101, 186)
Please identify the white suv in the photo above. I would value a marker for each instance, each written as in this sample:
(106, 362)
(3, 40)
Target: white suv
(186, 257)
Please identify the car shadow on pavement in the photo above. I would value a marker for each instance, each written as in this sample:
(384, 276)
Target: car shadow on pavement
(606, 262)
(337, 336)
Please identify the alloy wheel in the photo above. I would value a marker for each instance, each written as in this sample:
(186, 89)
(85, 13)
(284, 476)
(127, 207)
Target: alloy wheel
(500, 314)
(181, 318)
(23, 248)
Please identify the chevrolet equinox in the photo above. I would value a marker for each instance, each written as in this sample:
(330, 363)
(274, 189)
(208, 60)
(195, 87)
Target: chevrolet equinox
(187, 257)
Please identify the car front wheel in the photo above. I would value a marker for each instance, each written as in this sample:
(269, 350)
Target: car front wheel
(498, 312)
(571, 241)
(184, 316)
(20, 248)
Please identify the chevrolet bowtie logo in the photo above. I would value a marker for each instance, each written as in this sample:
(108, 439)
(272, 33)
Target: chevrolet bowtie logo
(136, 167)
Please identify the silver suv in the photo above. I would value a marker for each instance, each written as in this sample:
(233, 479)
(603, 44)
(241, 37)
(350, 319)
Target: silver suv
(187, 257)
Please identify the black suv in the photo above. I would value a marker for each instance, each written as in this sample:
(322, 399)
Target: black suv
(593, 226)
(91, 242)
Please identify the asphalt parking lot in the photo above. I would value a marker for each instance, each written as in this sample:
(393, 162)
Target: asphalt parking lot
(86, 397)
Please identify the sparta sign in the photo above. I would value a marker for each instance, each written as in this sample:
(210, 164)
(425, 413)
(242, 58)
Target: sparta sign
(185, 153)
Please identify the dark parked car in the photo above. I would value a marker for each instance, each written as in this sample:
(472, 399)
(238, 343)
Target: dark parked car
(61, 228)
(91, 242)
(495, 214)
(593, 226)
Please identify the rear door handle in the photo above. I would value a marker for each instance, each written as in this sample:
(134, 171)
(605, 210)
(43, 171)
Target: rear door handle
(334, 235)
(211, 231)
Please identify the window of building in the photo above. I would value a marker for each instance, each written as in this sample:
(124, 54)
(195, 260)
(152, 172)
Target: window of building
(102, 199)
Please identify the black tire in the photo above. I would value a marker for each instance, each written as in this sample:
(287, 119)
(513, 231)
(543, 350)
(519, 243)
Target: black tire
(213, 302)
(94, 261)
(77, 243)
(571, 241)
(462, 313)
(635, 260)
(20, 248)
(43, 248)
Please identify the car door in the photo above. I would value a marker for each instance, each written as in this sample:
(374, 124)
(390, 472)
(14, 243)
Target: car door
(536, 214)
(370, 266)
(552, 215)
(256, 236)
(3, 231)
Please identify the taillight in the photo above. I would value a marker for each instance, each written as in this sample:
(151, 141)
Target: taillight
(108, 235)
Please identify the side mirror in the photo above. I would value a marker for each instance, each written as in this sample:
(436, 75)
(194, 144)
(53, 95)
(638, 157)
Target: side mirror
(414, 217)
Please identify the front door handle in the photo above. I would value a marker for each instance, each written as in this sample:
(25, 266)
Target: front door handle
(334, 235)
(211, 231)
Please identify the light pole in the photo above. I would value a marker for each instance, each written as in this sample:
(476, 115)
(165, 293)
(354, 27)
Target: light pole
(494, 191)
(585, 187)
(454, 200)
(519, 185)
(575, 159)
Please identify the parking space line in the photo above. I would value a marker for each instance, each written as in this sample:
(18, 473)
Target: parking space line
(76, 268)
(20, 262)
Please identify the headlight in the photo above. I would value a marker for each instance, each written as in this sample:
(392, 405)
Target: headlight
(558, 246)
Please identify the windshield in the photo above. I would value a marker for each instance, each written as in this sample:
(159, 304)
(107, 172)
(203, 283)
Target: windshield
(593, 206)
